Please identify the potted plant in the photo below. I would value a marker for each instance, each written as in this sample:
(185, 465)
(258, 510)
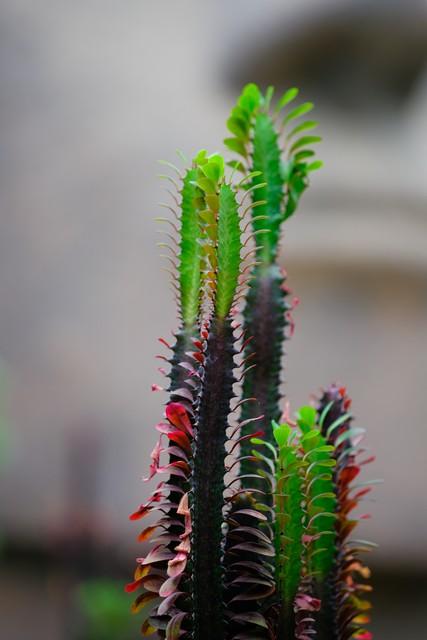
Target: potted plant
(251, 521)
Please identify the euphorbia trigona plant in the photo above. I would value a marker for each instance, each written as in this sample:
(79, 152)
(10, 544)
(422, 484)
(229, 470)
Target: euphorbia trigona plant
(249, 526)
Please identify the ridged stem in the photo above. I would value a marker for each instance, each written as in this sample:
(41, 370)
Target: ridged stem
(264, 322)
(183, 343)
(329, 628)
(207, 499)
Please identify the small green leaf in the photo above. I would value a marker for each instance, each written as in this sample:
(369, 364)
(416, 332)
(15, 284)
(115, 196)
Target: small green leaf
(338, 422)
(304, 126)
(304, 141)
(309, 432)
(201, 158)
(307, 415)
(236, 165)
(214, 168)
(325, 448)
(207, 216)
(236, 145)
(238, 127)
(281, 433)
(349, 435)
(315, 166)
(212, 201)
(287, 97)
(206, 185)
(325, 413)
(299, 111)
(254, 174)
(302, 155)
(322, 463)
(268, 96)
(250, 98)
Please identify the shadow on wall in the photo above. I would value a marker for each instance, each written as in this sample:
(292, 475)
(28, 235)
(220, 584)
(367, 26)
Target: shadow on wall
(360, 58)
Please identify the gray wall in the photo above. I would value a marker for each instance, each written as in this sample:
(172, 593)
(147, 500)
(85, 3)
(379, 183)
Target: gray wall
(92, 94)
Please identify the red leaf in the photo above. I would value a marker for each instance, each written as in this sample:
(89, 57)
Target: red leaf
(133, 586)
(167, 602)
(145, 508)
(184, 393)
(152, 582)
(305, 602)
(147, 533)
(181, 439)
(177, 564)
(155, 460)
(169, 587)
(348, 474)
(163, 341)
(177, 415)
(178, 468)
(158, 554)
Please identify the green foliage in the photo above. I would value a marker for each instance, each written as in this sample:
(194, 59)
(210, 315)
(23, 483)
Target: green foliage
(289, 523)
(304, 501)
(274, 141)
(311, 501)
(281, 156)
(319, 494)
(265, 553)
(221, 234)
(266, 160)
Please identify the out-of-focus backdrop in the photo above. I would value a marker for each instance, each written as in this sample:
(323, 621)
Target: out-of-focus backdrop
(92, 94)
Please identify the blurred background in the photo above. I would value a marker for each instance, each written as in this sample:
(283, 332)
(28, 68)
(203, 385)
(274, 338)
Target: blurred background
(92, 94)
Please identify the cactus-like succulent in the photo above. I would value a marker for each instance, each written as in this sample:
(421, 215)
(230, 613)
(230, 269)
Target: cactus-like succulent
(268, 141)
(249, 525)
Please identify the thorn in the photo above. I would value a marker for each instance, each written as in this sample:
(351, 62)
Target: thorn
(163, 176)
(252, 220)
(171, 166)
(170, 236)
(245, 371)
(253, 205)
(166, 257)
(165, 245)
(171, 273)
(251, 252)
(173, 196)
(182, 156)
(162, 358)
(169, 208)
(173, 225)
